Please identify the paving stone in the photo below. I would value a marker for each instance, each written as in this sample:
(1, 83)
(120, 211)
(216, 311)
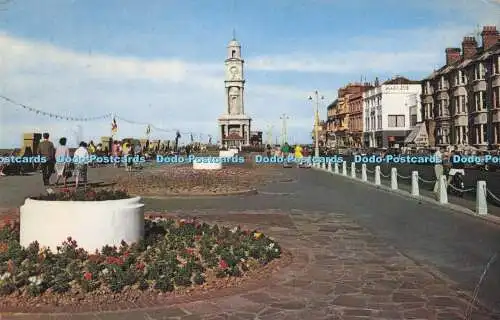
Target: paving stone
(340, 271)
(289, 305)
(357, 312)
(406, 297)
(350, 301)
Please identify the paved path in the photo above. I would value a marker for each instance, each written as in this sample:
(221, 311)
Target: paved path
(338, 231)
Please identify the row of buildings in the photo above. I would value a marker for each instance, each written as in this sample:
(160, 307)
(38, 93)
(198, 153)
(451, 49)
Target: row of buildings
(457, 105)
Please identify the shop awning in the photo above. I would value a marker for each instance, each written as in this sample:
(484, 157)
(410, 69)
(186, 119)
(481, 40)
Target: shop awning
(418, 135)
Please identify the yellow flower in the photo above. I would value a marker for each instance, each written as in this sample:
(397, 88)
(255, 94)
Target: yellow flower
(257, 235)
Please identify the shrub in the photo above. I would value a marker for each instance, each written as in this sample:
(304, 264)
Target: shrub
(173, 253)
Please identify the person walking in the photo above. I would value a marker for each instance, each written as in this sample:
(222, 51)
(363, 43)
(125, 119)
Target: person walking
(81, 159)
(438, 168)
(47, 151)
(285, 150)
(298, 154)
(62, 162)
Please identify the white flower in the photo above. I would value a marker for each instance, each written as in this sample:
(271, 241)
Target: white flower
(234, 230)
(4, 276)
(105, 271)
(35, 280)
(276, 250)
(271, 245)
(242, 260)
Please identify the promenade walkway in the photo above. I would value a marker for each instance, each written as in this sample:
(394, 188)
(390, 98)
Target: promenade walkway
(358, 253)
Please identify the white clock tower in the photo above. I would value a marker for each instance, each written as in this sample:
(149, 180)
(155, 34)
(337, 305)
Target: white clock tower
(234, 124)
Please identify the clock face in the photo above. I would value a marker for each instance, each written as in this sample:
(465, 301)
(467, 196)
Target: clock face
(233, 70)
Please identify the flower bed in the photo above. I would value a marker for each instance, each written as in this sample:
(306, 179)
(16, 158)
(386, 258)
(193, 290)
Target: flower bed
(81, 195)
(184, 180)
(173, 255)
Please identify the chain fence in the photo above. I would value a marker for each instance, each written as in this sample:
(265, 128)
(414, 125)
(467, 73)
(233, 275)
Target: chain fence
(383, 175)
(404, 177)
(492, 196)
(461, 190)
(426, 181)
(387, 176)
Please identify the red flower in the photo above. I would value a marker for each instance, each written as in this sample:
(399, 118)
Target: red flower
(223, 264)
(66, 190)
(190, 251)
(197, 238)
(114, 260)
(87, 276)
(126, 254)
(140, 266)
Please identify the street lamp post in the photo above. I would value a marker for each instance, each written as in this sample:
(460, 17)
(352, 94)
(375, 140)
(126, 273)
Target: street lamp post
(316, 99)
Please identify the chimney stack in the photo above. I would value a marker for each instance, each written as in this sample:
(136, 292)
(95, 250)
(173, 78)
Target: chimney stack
(469, 47)
(452, 55)
(489, 36)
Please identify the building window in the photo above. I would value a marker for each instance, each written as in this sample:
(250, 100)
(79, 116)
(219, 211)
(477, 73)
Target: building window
(460, 78)
(479, 100)
(233, 54)
(396, 121)
(479, 72)
(442, 83)
(485, 133)
(444, 104)
(413, 120)
(496, 97)
(379, 122)
(496, 65)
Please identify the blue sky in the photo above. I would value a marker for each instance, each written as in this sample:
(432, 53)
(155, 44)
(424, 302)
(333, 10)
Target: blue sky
(162, 61)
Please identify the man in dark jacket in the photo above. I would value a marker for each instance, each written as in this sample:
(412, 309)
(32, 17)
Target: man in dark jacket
(46, 150)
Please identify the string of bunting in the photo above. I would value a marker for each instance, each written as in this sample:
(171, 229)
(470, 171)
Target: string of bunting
(101, 117)
(53, 115)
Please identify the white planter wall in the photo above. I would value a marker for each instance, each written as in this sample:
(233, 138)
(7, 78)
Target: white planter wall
(228, 153)
(93, 224)
(207, 166)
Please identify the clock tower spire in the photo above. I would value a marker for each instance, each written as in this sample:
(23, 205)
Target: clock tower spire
(235, 125)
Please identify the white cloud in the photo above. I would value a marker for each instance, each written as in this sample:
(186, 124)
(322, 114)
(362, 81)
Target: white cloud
(190, 96)
(392, 51)
(171, 94)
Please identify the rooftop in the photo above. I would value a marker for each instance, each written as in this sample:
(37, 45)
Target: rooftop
(401, 80)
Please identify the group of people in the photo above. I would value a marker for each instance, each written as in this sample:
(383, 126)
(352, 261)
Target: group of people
(57, 161)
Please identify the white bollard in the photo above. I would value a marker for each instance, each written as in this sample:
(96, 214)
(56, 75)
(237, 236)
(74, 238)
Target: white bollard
(329, 166)
(353, 170)
(443, 192)
(363, 172)
(344, 168)
(414, 184)
(481, 204)
(394, 179)
(336, 168)
(377, 175)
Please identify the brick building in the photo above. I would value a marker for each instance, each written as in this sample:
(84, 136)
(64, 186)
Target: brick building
(461, 100)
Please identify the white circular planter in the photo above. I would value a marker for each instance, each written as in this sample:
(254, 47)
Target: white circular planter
(93, 224)
(227, 153)
(207, 166)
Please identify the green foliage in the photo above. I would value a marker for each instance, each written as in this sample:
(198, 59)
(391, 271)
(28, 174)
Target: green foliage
(173, 253)
(84, 195)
